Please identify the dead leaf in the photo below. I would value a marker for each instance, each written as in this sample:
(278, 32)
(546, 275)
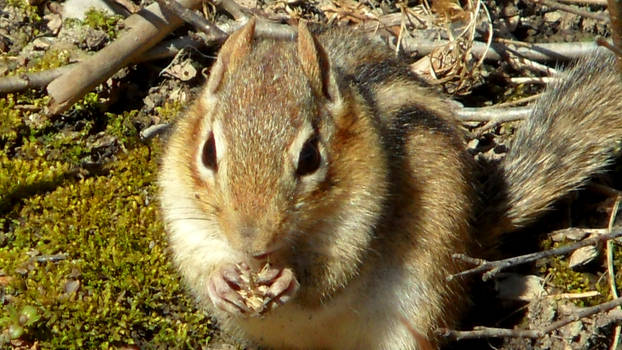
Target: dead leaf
(183, 71)
(583, 256)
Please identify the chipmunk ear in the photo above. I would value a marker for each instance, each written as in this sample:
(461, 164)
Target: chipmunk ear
(316, 65)
(236, 47)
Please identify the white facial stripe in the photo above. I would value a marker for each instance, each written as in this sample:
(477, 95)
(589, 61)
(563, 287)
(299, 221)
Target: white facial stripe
(206, 173)
(221, 145)
(303, 135)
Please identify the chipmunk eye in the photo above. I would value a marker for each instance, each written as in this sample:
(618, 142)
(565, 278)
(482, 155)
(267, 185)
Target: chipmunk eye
(209, 153)
(310, 158)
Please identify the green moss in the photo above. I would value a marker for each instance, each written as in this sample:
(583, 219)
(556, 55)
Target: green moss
(97, 19)
(11, 121)
(83, 260)
(20, 178)
(120, 125)
(108, 232)
(30, 11)
(102, 21)
(169, 110)
(51, 59)
(567, 280)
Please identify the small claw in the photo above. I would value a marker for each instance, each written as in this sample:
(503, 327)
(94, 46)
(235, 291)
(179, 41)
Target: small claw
(268, 276)
(221, 289)
(232, 275)
(284, 287)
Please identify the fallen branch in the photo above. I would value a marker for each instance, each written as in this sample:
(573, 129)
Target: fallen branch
(39, 80)
(263, 28)
(535, 52)
(494, 267)
(146, 28)
(574, 10)
(533, 80)
(232, 8)
(490, 114)
(523, 63)
(489, 332)
(34, 80)
(587, 2)
(195, 20)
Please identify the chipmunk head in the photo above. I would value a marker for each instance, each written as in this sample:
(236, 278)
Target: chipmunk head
(275, 159)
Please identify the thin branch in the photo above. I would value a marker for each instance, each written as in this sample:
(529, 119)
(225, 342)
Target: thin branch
(536, 52)
(494, 267)
(195, 20)
(586, 2)
(590, 294)
(490, 332)
(582, 313)
(533, 80)
(490, 114)
(576, 11)
(263, 28)
(232, 8)
(34, 80)
(39, 80)
(603, 42)
(523, 63)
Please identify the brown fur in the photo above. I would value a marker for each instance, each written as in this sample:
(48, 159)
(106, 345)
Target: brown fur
(370, 233)
(568, 138)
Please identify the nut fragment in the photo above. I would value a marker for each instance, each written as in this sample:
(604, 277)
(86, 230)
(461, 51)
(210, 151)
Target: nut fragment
(255, 294)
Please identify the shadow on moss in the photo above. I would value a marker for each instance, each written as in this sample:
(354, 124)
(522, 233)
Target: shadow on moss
(114, 284)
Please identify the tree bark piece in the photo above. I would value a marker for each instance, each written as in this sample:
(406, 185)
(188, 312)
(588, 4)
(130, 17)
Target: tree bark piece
(145, 29)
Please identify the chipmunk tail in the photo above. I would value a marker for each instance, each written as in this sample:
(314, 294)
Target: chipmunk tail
(572, 134)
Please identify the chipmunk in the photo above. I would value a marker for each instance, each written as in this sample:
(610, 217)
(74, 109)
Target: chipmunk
(315, 192)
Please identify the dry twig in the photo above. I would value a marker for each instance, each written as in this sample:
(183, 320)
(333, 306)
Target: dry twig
(533, 80)
(489, 332)
(586, 2)
(570, 9)
(195, 20)
(31, 80)
(39, 80)
(535, 52)
(494, 267)
(232, 8)
(490, 114)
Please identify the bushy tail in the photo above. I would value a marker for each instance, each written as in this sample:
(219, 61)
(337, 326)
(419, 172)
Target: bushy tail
(570, 136)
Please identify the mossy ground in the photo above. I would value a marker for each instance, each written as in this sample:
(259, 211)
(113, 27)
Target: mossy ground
(84, 261)
(89, 254)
